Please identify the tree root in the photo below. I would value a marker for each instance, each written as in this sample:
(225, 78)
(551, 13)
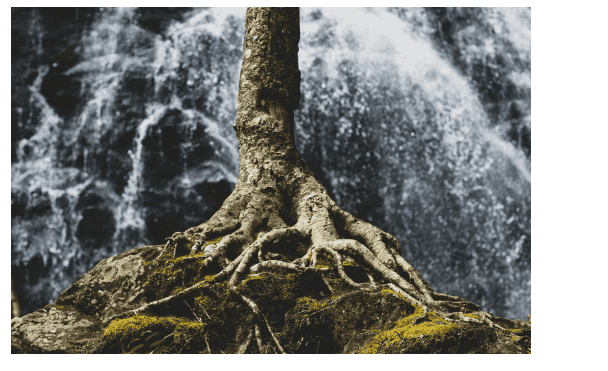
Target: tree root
(243, 347)
(258, 230)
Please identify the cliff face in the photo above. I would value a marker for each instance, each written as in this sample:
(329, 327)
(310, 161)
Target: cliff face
(122, 134)
(306, 314)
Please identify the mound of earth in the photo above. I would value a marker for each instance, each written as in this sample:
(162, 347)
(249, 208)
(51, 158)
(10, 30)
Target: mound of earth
(307, 314)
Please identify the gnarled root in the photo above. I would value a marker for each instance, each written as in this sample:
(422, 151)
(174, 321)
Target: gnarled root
(247, 235)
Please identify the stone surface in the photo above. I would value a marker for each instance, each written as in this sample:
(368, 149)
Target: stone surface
(304, 314)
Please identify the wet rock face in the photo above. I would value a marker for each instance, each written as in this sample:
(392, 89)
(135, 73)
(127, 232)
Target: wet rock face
(304, 314)
(94, 171)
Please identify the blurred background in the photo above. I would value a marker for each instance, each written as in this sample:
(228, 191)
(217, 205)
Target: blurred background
(416, 120)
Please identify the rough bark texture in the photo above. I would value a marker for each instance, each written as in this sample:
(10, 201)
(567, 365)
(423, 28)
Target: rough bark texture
(279, 218)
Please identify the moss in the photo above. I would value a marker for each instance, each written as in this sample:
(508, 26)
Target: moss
(217, 240)
(134, 329)
(513, 329)
(472, 315)
(311, 304)
(177, 290)
(404, 330)
(134, 325)
(390, 292)
(250, 277)
(515, 338)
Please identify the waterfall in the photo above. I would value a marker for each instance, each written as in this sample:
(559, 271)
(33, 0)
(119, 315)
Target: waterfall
(394, 125)
(129, 216)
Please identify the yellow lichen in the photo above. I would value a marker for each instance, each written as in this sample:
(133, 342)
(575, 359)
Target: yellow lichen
(406, 330)
(472, 315)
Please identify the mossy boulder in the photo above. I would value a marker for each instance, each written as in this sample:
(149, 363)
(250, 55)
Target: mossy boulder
(306, 314)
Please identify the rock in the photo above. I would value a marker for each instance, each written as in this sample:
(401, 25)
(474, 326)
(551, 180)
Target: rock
(305, 315)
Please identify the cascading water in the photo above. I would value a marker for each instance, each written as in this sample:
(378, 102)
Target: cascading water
(129, 216)
(396, 121)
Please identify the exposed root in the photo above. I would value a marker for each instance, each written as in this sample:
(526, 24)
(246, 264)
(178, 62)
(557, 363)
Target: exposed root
(407, 297)
(269, 264)
(415, 276)
(243, 347)
(164, 301)
(327, 284)
(357, 250)
(165, 248)
(258, 338)
(371, 279)
(207, 342)
(371, 235)
(337, 260)
(257, 231)
(486, 318)
(421, 318)
(259, 314)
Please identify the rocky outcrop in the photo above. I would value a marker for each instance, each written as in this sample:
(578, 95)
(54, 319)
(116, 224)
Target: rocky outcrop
(306, 314)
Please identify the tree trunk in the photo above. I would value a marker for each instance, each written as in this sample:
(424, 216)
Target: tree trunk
(278, 210)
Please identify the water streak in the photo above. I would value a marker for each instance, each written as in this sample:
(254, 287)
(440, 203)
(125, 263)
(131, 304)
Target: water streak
(129, 213)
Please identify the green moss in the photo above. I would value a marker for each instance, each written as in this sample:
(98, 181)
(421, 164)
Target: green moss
(434, 326)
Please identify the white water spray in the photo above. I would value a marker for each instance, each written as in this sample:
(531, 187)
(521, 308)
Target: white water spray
(129, 215)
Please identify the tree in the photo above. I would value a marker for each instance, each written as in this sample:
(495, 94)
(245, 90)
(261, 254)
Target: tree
(277, 203)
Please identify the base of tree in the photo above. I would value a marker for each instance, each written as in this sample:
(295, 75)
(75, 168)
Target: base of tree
(313, 310)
